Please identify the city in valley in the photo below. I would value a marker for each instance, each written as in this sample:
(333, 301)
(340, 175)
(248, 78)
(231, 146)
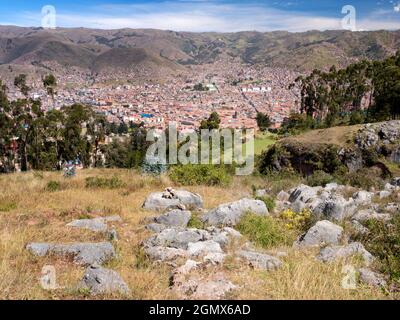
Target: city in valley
(237, 92)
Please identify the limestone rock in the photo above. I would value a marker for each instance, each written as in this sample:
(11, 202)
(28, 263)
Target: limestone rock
(260, 260)
(203, 248)
(371, 278)
(368, 214)
(229, 214)
(323, 232)
(96, 224)
(158, 201)
(332, 253)
(176, 238)
(100, 280)
(175, 218)
(82, 253)
(164, 253)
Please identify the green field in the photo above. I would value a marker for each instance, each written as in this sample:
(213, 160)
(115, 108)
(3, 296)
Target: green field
(263, 141)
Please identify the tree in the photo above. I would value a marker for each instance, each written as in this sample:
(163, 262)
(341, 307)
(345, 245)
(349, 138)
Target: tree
(50, 83)
(20, 83)
(211, 123)
(263, 121)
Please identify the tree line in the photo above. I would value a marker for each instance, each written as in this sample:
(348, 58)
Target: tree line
(367, 91)
(32, 138)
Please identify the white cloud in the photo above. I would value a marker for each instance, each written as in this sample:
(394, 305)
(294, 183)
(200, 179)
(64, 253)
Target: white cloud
(203, 15)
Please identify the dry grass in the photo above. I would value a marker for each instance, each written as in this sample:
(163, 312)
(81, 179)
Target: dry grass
(341, 136)
(40, 215)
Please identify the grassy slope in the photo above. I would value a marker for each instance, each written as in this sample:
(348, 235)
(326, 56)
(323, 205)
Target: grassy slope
(30, 213)
(341, 136)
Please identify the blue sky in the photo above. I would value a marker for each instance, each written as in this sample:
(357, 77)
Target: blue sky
(205, 15)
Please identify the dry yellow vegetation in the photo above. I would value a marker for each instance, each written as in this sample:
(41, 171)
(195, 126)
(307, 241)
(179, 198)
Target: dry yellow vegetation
(30, 212)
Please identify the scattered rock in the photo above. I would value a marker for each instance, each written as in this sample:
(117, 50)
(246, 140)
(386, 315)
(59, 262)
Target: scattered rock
(174, 218)
(332, 253)
(156, 227)
(99, 280)
(229, 214)
(359, 228)
(176, 238)
(203, 248)
(335, 207)
(164, 254)
(212, 287)
(159, 201)
(368, 214)
(323, 232)
(82, 253)
(363, 197)
(304, 193)
(96, 224)
(214, 258)
(372, 278)
(260, 260)
(384, 194)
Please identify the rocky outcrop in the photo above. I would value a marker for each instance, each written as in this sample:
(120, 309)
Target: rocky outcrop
(173, 199)
(322, 233)
(372, 278)
(373, 134)
(229, 214)
(333, 253)
(96, 224)
(260, 260)
(98, 281)
(83, 253)
(174, 218)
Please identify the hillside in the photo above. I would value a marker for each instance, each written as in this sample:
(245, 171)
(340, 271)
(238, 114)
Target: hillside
(87, 48)
(41, 212)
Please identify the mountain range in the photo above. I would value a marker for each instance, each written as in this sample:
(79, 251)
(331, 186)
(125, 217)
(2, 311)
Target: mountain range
(99, 51)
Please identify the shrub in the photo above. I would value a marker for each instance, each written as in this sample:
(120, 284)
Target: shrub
(210, 175)
(365, 178)
(265, 231)
(383, 241)
(195, 222)
(269, 202)
(53, 186)
(319, 178)
(104, 183)
(300, 221)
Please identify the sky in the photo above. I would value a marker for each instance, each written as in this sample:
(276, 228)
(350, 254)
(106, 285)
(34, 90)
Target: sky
(206, 15)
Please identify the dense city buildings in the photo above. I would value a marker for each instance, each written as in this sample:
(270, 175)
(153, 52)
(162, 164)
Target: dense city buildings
(235, 91)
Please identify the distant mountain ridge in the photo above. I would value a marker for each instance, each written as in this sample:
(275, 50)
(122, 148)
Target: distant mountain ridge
(101, 50)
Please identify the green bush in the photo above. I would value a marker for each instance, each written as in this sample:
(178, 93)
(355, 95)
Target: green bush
(265, 231)
(365, 178)
(209, 175)
(319, 178)
(383, 241)
(53, 186)
(195, 222)
(103, 183)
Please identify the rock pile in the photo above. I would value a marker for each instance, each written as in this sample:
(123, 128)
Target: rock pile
(191, 250)
(97, 280)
